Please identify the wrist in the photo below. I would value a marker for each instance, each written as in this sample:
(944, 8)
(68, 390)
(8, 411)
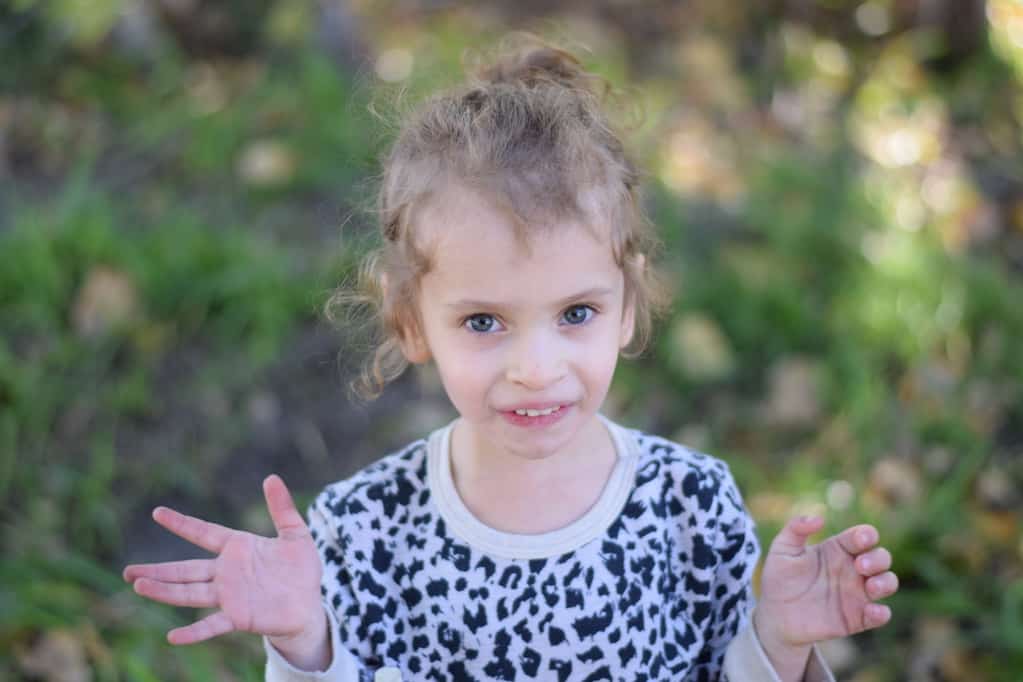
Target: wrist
(308, 649)
(789, 660)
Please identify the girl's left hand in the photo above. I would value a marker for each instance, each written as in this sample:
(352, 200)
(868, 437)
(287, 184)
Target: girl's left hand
(818, 592)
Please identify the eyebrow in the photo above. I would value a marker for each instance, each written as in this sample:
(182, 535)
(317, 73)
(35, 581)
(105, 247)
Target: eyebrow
(595, 292)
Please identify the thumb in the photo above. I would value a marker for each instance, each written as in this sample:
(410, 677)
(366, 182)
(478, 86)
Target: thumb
(792, 537)
(285, 516)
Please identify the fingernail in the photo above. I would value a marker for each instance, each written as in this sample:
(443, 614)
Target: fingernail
(865, 564)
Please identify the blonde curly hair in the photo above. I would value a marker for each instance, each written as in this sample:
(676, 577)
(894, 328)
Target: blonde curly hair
(528, 131)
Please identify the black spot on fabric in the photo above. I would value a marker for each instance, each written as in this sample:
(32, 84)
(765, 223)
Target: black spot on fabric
(704, 494)
(414, 664)
(397, 648)
(701, 587)
(418, 621)
(457, 554)
(555, 635)
(626, 654)
(633, 509)
(461, 584)
(523, 630)
(412, 596)
(735, 542)
(475, 621)
(367, 584)
(528, 595)
(689, 638)
(530, 661)
(644, 567)
(537, 565)
(703, 554)
(458, 673)
(562, 668)
(613, 557)
(502, 609)
(648, 472)
(420, 642)
(573, 598)
(397, 493)
(550, 592)
(448, 637)
(590, 655)
(500, 669)
(487, 564)
(510, 577)
(591, 625)
(574, 573)
(437, 588)
(381, 557)
(600, 674)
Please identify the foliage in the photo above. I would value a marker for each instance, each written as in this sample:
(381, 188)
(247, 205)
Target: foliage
(836, 185)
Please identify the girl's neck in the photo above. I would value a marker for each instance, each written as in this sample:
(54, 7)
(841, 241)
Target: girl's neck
(518, 495)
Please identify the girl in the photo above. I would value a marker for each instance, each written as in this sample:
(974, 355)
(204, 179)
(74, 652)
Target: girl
(531, 538)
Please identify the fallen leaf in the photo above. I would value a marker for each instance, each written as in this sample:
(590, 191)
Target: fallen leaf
(107, 298)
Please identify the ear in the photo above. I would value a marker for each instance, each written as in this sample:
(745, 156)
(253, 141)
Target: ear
(629, 312)
(411, 340)
(414, 346)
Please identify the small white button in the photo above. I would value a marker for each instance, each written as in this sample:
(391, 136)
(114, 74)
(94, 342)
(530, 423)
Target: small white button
(387, 675)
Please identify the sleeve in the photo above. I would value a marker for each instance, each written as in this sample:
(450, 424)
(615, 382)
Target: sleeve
(736, 551)
(746, 661)
(345, 665)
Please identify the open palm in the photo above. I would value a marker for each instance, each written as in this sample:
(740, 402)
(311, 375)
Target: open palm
(828, 590)
(268, 586)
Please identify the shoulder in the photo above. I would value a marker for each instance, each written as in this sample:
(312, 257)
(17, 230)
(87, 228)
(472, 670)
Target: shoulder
(397, 480)
(686, 480)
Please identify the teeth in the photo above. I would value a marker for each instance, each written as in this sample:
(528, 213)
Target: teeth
(537, 413)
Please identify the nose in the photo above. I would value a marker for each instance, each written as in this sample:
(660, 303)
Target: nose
(537, 360)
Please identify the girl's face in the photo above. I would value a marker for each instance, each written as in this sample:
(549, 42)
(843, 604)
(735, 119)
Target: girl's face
(511, 332)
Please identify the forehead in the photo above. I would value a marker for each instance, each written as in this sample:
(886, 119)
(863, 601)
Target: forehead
(472, 244)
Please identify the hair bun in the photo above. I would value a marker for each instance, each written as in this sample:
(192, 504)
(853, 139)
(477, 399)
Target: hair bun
(526, 58)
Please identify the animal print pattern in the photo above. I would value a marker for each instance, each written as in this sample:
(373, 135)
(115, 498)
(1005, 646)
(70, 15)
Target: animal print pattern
(657, 597)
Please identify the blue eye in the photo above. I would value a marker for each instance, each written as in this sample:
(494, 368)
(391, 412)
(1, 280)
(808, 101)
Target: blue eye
(481, 323)
(578, 314)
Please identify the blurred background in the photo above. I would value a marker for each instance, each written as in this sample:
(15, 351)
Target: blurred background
(838, 183)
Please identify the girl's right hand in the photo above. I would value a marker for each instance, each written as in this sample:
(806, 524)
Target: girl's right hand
(269, 586)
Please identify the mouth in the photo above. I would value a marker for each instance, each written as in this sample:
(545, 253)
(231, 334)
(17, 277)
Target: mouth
(527, 412)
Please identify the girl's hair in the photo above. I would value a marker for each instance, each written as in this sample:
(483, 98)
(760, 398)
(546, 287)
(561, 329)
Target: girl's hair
(527, 132)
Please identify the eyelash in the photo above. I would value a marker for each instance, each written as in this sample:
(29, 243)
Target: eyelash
(466, 321)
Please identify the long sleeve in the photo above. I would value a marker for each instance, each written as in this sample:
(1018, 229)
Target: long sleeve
(746, 661)
(343, 666)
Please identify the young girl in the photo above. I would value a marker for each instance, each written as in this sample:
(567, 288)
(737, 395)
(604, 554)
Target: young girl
(532, 537)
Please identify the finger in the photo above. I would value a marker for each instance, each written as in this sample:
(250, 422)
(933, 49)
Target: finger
(873, 562)
(285, 516)
(858, 539)
(191, 571)
(209, 536)
(198, 595)
(881, 586)
(211, 626)
(875, 615)
(792, 537)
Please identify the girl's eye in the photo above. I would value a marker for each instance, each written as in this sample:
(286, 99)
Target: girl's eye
(481, 323)
(578, 314)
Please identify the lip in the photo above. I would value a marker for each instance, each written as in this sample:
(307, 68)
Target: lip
(536, 406)
(540, 421)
